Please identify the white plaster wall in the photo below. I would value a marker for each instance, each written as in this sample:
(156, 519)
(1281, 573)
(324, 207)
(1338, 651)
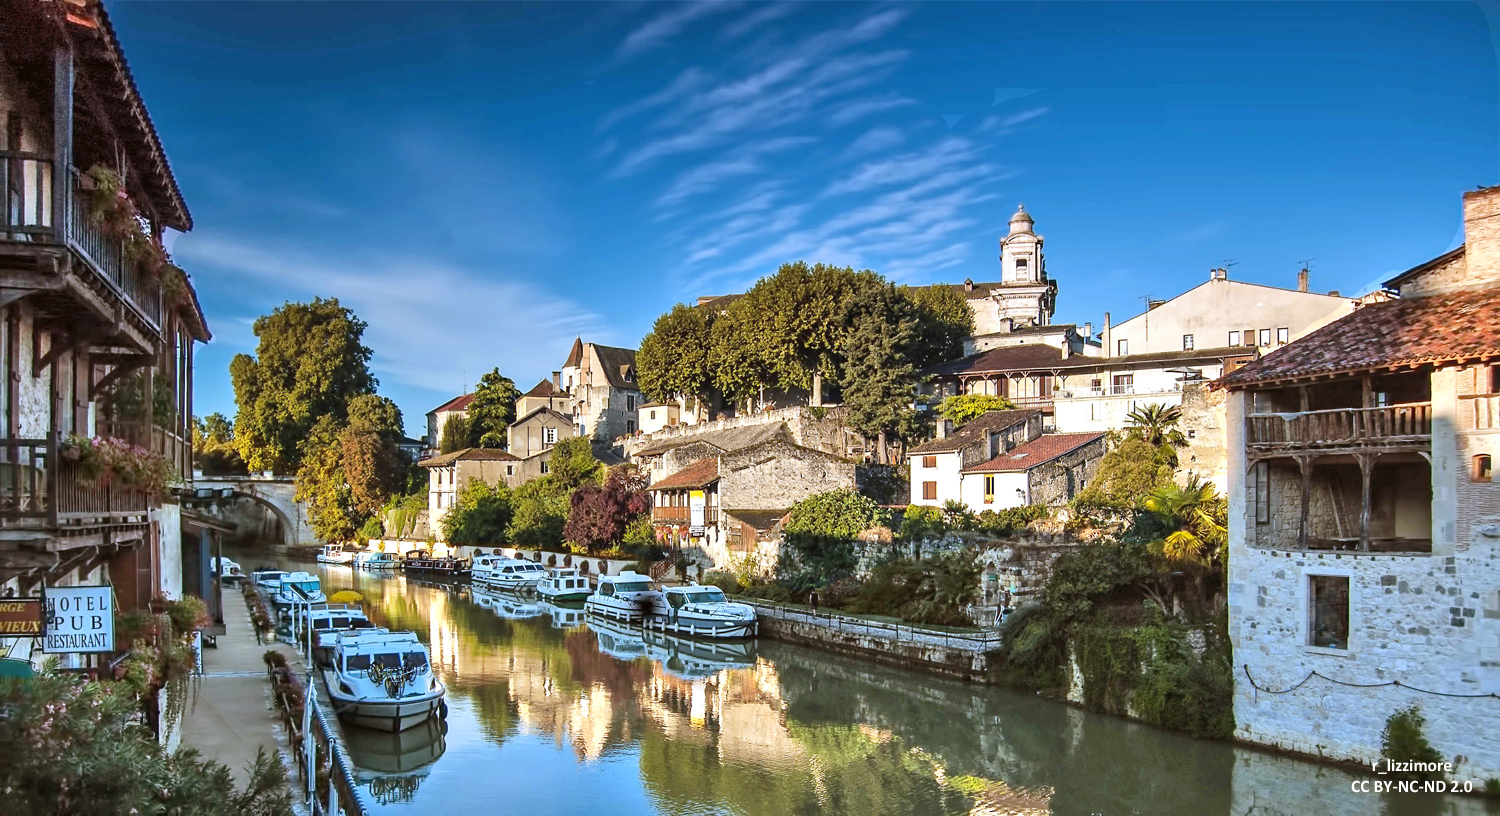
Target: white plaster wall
(1103, 413)
(971, 491)
(34, 392)
(1216, 307)
(945, 473)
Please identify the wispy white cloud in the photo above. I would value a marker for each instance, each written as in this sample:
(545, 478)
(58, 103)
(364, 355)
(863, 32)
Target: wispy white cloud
(662, 28)
(875, 140)
(946, 154)
(767, 13)
(860, 108)
(746, 161)
(431, 325)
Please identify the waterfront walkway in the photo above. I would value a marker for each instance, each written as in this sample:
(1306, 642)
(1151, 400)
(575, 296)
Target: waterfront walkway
(233, 715)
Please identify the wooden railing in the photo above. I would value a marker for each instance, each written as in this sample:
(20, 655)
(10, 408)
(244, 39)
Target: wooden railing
(177, 450)
(28, 184)
(1480, 412)
(1405, 424)
(684, 514)
(41, 489)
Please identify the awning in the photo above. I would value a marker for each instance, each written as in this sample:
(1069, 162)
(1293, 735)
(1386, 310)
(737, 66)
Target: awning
(15, 668)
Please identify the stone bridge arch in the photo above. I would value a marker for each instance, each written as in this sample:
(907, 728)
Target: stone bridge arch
(276, 495)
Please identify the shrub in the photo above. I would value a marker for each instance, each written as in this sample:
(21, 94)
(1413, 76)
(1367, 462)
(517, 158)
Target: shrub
(189, 613)
(1011, 520)
(1404, 740)
(722, 580)
(921, 522)
(373, 527)
(933, 590)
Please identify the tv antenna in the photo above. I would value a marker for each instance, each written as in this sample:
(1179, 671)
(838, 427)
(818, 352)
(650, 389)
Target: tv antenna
(1307, 264)
(1228, 262)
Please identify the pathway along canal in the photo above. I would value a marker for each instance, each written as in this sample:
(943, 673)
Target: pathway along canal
(547, 716)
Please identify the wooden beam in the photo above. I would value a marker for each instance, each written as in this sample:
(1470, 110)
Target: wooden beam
(1305, 463)
(62, 135)
(1366, 470)
(27, 559)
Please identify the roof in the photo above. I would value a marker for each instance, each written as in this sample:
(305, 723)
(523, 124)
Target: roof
(1038, 451)
(1446, 257)
(470, 455)
(545, 388)
(729, 439)
(618, 363)
(699, 474)
(575, 354)
(1212, 281)
(544, 409)
(759, 519)
(1434, 329)
(1005, 358)
(975, 430)
(460, 403)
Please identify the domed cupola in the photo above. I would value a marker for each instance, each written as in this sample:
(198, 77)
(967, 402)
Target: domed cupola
(1021, 222)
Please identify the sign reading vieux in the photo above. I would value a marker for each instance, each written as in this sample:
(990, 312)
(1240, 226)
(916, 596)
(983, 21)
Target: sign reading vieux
(79, 619)
(21, 617)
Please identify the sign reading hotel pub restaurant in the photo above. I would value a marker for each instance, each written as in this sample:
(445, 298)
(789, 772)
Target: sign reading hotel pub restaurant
(21, 617)
(79, 619)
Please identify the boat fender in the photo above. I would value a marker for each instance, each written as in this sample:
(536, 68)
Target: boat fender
(442, 710)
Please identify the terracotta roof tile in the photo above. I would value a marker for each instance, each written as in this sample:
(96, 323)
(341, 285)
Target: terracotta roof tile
(975, 430)
(1435, 329)
(460, 403)
(1005, 358)
(545, 388)
(1038, 451)
(470, 455)
(698, 474)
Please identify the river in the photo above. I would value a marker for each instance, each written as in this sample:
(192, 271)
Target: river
(547, 716)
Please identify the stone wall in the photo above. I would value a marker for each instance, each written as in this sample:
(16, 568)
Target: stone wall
(1021, 567)
(1058, 481)
(775, 475)
(1203, 424)
(826, 433)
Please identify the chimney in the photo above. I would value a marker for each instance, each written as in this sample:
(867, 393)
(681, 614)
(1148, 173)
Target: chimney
(557, 380)
(1333, 293)
(1088, 331)
(1105, 333)
(1482, 236)
(1218, 274)
(1152, 304)
(1302, 280)
(942, 428)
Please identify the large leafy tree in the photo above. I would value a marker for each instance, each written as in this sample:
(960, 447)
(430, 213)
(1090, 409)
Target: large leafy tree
(309, 362)
(372, 463)
(878, 373)
(214, 451)
(481, 515)
(322, 485)
(455, 434)
(599, 515)
(492, 411)
(542, 505)
(673, 360)
(961, 408)
(943, 323)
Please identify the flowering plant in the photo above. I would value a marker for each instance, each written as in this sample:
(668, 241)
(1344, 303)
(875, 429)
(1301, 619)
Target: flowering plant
(104, 460)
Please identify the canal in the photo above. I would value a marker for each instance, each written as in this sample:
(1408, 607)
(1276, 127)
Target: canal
(549, 716)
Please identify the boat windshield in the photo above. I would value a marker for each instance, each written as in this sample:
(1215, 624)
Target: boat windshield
(706, 596)
(307, 586)
(392, 660)
(633, 586)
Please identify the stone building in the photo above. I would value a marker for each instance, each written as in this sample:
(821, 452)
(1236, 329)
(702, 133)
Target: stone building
(655, 416)
(439, 416)
(545, 394)
(88, 328)
(448, 473)
(938, 465)
(725, 503)
(600, 381)
(1048, 470)
(531, 440)
(1364, 520)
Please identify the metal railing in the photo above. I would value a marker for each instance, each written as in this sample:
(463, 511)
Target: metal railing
(1408, 423)
(1480, 412)
(29, 183)
(977, 641)
(1118, 391)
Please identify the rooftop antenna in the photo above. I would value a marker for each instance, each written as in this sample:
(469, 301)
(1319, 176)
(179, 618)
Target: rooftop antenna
(1228, 262)
(1307, 264)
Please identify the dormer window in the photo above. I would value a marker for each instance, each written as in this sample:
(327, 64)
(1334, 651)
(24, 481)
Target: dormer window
(1020, 263)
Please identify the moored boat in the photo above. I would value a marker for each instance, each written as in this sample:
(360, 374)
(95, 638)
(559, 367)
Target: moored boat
(627, 597)
(701, 611)
(377, 561)
(564, 586)
(327, 621)
(383, 680)
(268, 581)
(507, 573)
(336, 554)
(421, 562)
(300, 588)
(228, 571)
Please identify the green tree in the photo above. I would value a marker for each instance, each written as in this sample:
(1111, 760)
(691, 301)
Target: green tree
(1130, 471)
(1157, 424)
(455, 434)
(310, 361)
(961, 408)
(820, 536)
(541, 511)
(673, 360)
(573, 463)
(1195, 518)
(481, 515)
(493, 410)
(214, 451)
(322, 485)
(944, 321)
(370, 458)
(878, 374)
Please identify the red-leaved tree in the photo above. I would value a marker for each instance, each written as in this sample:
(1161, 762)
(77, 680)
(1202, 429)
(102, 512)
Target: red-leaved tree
(598, 514)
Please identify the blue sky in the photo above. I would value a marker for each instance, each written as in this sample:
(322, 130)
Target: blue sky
(482, 182)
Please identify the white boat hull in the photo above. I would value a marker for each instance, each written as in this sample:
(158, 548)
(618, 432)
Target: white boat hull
(507, 583)
(384, 714)
(703, 627)
(628, 611)
(563, 596)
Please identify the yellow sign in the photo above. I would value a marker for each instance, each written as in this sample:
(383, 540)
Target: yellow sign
(21, 617)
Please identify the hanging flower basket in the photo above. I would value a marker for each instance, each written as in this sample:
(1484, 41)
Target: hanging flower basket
(105, 460)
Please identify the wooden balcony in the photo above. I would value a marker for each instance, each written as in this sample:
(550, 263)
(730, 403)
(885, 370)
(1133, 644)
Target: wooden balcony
(177, 450)
(28, 226)
(683, 515)
(1392, 427)
(39, 490)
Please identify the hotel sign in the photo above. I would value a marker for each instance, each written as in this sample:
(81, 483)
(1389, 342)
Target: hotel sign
(79, 619)
(697, 501)
(21, 617)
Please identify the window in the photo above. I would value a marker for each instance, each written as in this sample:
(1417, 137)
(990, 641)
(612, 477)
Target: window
(629, 402)
(1187, 342)
(1122, 347)
(1283, 335)
(1249, 337)
(630, 426)
(1483, 469)
(929, 461)
(1234, 338)
(544, 467)
(1262, 493)
(1020, 263)
(1328, 611)
(510, 470)
(929, 491)
(549, 436)
(1122, 384)
(989, 490)
(653, 413)
(1265, 337)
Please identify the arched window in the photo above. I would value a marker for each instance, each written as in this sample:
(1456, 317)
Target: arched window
(1482, 468)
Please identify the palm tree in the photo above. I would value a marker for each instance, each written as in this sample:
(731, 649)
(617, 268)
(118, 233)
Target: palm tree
(1197, 518)
(1157, 424)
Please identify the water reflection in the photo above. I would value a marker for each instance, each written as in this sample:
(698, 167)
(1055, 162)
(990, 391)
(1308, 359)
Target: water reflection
(550, 713)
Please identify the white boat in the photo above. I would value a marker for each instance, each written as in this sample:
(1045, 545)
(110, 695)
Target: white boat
(701, 611)
(506, 573)
(377, 561)
(564, 616)
(564, 585)
(617, 640)
(514, 605)
(383, 680)
(228, 571)
(300, 588)
(693, 659)
(327, 621)
(627, 597)
(268, 581)
(335, 554)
